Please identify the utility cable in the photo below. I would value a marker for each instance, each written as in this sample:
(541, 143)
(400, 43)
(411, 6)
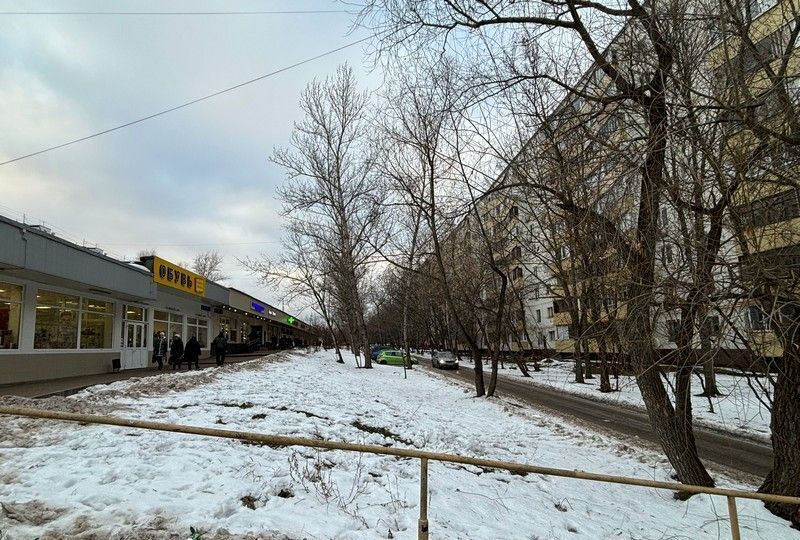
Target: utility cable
(186, 104)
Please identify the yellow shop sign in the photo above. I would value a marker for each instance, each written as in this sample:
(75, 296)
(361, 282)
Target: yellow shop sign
(172, 275)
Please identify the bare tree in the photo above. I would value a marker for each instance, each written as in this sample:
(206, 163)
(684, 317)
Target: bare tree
(301, 274)
(209, 265)
(637, 75)
(331, 195)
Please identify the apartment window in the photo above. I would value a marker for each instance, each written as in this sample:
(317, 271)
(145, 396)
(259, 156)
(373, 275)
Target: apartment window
(550, 312)
(673, 329)
(516, 273)
(515, 211)
(551, 335)
(538, 315)
(536, 292)
(516, 253)
(710, 327)
(757, 7)
(562, 332)
(793, 88)
(57, 318)
(97, 324)
(756, 318)
(562, 253)
(198, 327)
(10, 315)
(611, 125)
(667, 255)
(663, 217)
(774, 209)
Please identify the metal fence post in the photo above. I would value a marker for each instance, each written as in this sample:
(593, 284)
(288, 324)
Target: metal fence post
(734, 518)
(422, 531)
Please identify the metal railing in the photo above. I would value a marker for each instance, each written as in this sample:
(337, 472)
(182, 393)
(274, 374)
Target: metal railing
(422, 455)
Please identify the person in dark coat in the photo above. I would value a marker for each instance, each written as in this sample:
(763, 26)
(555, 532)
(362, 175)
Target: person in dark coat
(176, 351)
(220, 346)
(160, 349)
(191, 353)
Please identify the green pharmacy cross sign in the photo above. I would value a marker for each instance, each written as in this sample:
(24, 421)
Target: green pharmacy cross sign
(290, 319)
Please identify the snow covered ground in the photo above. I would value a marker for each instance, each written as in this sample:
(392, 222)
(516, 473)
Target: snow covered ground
(738, 410)
(61, 480)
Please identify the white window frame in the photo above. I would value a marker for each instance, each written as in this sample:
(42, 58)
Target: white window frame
(21, 329)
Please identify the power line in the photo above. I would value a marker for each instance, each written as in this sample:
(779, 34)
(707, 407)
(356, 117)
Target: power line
(189, 245)
(188, 103)
(178, 13)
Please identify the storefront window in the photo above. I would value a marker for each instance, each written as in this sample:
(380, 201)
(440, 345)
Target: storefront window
(133, 313)
(97, 322)
(56, 321)
(225, 326)
(10, 315)
(198, 327)
(176, 325)
(160, 322)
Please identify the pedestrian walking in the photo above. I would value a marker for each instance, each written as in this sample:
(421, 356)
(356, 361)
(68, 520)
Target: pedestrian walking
(176, 351)
(220, 346)
(191, 353)
(159, 349)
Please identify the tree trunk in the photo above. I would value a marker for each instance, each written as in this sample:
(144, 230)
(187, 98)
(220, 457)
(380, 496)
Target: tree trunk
(784, 478)
(480, 390)
(364, 337)
(339, 359)
(579, 361)
(605, 380)
(493, 377)
(709, 375)
(588, 367)
(676, 437)
(523, 367)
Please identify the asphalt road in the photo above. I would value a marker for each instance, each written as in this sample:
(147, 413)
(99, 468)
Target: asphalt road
(736, 453)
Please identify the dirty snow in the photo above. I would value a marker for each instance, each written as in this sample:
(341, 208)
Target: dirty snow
(60, 480)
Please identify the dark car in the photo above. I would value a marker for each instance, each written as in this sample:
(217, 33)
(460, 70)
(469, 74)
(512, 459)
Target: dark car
(444, 360)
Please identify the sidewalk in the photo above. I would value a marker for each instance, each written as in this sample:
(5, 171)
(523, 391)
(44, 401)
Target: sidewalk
(72, 385)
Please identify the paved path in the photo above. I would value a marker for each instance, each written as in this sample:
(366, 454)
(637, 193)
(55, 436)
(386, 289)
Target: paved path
(731, 451)
(71, 385)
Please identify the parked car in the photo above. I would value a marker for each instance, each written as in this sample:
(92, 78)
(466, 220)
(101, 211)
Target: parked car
(393, 357)
(376, 351)
(444, 360)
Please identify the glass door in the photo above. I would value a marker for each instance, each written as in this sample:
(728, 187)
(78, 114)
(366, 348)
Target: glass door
(134, 350)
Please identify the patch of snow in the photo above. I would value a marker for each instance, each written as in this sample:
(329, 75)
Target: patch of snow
(737, 410)
(79, 481)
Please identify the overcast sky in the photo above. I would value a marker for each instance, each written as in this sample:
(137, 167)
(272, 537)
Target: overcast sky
(192, 180)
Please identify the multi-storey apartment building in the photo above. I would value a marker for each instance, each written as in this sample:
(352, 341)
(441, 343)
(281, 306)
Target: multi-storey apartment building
(586, 147)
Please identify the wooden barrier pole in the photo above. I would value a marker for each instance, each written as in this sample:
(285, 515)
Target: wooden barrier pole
(734, 518)
(422, 531)
(282, 440)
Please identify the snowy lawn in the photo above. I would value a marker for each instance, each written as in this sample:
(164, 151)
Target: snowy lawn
(61, 480)
(738, 410)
